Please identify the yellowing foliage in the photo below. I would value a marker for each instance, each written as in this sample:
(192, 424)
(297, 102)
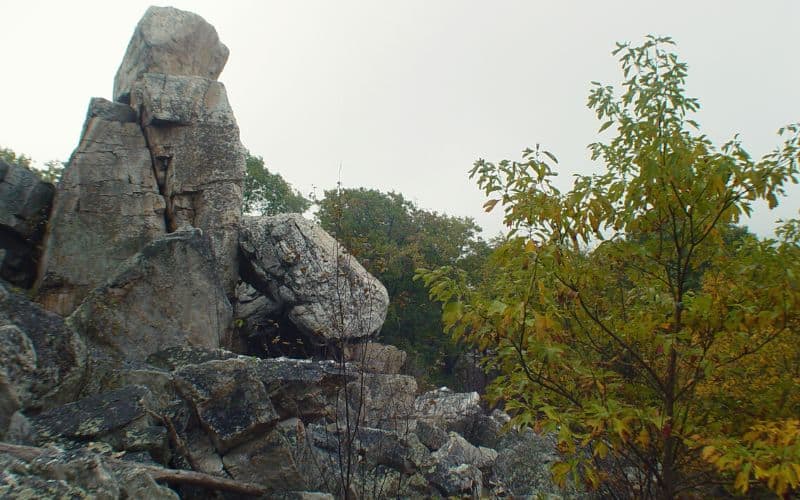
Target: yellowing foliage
(630, 315)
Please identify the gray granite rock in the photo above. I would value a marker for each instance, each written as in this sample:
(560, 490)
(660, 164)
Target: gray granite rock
(451, 411)
(375, 357)
(44, 359)
(230, 400)
(322, 289)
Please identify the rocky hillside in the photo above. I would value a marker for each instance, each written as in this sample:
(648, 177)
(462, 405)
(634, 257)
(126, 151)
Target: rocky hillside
(156, 343)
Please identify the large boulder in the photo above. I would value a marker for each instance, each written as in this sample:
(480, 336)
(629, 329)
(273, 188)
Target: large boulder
(106, 209)
(171, 41)
(24, 206)
(167, 295)
(198, 159)
(320, 288)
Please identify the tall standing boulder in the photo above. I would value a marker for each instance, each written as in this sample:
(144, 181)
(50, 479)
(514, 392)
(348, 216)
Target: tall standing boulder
(165, 156)
(107, 208)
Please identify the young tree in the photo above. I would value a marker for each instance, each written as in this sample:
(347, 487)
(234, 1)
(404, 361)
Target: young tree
(617, 315)
(266, 193)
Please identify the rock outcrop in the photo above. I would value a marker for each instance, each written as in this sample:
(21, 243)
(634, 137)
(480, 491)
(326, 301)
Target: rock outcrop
(312, 279)
(43, 359)
(144, 255)
(24, 206)
(165, 157)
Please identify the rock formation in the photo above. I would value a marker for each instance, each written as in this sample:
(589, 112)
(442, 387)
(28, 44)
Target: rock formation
(169, 160)
(133, 390)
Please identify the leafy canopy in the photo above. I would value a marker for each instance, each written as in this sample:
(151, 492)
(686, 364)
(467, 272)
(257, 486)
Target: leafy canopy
(266, 193)
(392, 237)
(627, 316)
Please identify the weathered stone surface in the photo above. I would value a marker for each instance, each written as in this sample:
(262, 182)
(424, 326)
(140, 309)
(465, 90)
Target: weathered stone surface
(303, 388)
(9, 403)
(198, 159)
(523, 465)
(25, 203)
(457, 451)
(76, 474)
(431, 435)
(96, 416)
(171, 41)
(323, 290)
(451, 411)
(462, 481)
(106, 209)
(279, 459)
(174, 358)
(44, 359)
(384, 401)
(376, 358)
(167, 295)
(230, 400)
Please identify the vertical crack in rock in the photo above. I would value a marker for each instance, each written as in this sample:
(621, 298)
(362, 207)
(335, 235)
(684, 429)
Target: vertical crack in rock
(160, 161)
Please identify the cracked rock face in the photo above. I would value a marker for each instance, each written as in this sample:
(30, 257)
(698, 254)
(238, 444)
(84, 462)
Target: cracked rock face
(107, 208)
(322, 289)
(197, 157)
(170, 41)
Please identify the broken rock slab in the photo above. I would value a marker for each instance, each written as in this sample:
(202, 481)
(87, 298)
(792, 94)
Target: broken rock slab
(170, 41)
(168, 295)
(106, 209)
(322, 289)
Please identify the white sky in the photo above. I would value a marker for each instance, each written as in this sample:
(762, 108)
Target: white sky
(406, 95)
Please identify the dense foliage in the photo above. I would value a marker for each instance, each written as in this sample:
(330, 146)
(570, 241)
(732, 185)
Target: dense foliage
(627, 316)
(266, 193)
(392, 237)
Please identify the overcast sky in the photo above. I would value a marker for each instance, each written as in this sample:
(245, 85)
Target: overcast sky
(406, 95)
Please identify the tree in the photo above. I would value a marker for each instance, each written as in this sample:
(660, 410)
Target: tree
(51, 173)
(266, 193)
(391, 237)
(617, 315)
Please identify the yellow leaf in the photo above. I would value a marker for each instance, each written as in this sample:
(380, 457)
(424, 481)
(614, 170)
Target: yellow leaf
(742, 483)
(489, 205)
